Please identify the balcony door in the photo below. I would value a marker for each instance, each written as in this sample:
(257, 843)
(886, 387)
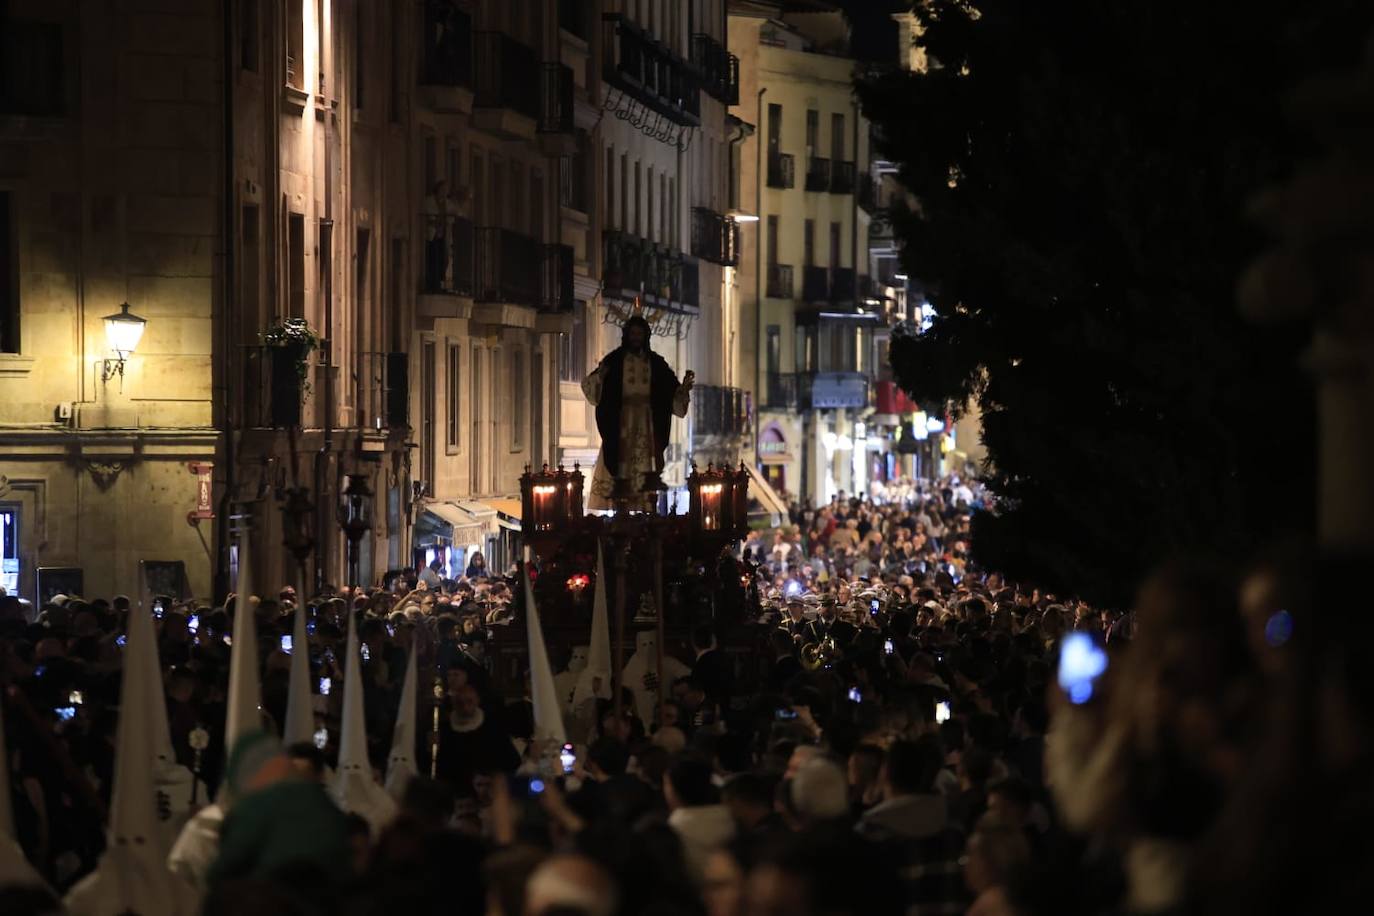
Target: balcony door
(478, 448)
(774, 128)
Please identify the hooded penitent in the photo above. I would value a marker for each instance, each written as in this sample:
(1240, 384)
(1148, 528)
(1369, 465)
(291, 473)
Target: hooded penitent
(548, 711)
(594, 681)
(641, 666)
(354, 789)
(400, 764)
(245, 689)
(300, 714)
(132, 874)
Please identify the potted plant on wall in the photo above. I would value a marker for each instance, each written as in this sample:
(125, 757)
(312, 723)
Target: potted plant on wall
(291, 344)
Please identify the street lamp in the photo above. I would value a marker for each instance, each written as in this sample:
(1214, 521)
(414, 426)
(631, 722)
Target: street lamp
(123, 331)
(355, 518)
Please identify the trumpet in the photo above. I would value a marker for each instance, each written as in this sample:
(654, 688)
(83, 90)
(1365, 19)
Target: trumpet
(816, 655)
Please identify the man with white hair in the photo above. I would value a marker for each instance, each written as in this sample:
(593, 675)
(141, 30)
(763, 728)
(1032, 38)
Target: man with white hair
(570, 883)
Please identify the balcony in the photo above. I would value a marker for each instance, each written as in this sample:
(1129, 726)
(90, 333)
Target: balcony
(637, 267)
(781, 170)
(446, 66)
(508, 81)
(720, 412)
(841, 177)
(273, 387)
(815, 390)
(779, 281)
(449, 268)
(842, 285)
(838, 390)
(509, 267)
(383, 396)
(557, 269)
(780, 391)
(817, 174)
(556, 99)
(880, 238)
(715, 238)
(815, 284)
(650, 73)
(868, 193)
(719, 68)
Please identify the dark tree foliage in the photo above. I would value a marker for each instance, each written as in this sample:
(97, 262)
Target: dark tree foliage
(1082, 170)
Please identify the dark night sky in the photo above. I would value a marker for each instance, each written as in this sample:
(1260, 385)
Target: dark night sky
(875, 34)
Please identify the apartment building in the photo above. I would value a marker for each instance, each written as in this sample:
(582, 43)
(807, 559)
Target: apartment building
(820, 312)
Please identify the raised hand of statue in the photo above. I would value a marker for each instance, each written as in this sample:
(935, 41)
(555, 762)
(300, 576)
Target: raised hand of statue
(689, 380)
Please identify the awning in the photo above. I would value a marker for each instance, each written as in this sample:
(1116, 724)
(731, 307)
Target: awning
(507, 512)
(759, 489)
(448, 521)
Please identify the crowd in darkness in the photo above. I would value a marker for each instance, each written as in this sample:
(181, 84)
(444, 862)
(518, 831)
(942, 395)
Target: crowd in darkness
(911, 741)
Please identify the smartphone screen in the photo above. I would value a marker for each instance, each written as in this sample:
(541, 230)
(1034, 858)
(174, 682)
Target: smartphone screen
(157, 609)
(855, 696)
(873, 607)
(367, 653)
(888, 648)
(942, 712)
(65, 713)
(321, 738)
(286, 644)
(120, 640)
(784, 715)
(75, 698)
(1081, 662)
(193, 623)
(325, 684)
(568, 758)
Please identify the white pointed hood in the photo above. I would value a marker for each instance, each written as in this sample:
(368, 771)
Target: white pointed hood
(594, 682)
(174, 783)
(132, 874)
(300, 711)
(245, 688)
(354, 790)
(548, 712)
(400, 765)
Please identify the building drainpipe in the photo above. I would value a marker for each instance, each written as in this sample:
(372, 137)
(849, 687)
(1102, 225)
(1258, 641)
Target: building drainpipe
(760, 383)
(220, 586)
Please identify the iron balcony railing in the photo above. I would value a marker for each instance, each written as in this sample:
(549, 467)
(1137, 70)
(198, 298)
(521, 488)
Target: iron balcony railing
(780, 391)
(507, 74)
(868, 193)
(509, 267)
(650, 72)
(715, 238)
(779, 281)
(558, 279)
(781, 170)
(274, 380)
(817, 174)
(636, 267)
(449, 265)
(720, 411)
(556, 99)
(719, 68)
(841, 177)
(815, 284)
(842, 285)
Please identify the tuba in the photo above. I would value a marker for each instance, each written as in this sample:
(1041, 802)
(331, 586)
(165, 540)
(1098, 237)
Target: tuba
(817, 655)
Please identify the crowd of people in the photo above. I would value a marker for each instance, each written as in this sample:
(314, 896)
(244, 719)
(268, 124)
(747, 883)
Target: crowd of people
(897, 732)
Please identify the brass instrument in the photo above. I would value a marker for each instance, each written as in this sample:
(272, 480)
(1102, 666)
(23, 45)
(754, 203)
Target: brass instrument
(816, 655)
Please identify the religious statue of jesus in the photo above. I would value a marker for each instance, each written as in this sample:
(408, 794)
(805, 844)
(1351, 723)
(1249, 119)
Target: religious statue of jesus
(636, 395)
